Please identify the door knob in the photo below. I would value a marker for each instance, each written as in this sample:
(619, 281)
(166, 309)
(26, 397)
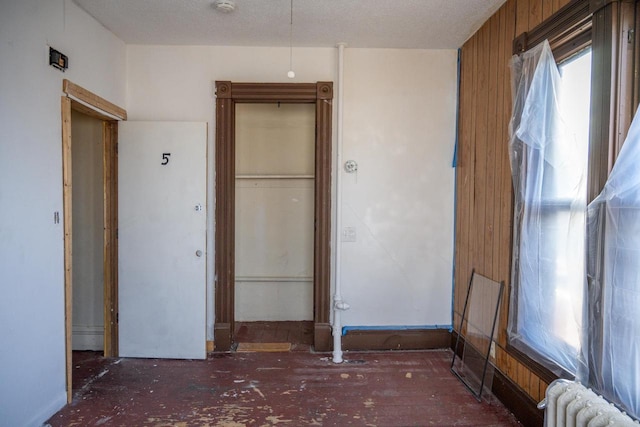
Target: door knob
(198, 253)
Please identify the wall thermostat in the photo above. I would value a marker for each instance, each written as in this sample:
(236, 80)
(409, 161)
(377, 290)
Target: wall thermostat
(350, 166)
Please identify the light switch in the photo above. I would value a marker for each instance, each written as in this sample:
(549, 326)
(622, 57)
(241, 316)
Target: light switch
(349, 234)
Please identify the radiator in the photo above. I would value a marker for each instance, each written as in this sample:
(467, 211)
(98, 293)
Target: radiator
(570, 404)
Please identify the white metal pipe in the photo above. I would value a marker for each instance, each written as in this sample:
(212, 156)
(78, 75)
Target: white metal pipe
(338, 304)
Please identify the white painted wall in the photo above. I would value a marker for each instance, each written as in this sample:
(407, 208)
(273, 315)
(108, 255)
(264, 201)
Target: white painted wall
(178, 83)
(32, 355)
(399, 125)
(88, 239)
(399, 270)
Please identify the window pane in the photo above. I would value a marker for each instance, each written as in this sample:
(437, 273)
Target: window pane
(567, 195)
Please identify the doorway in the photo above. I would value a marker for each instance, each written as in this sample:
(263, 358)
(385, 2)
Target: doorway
(274, 212)
(87, 227)
(229, 96)
(274, 224)
(94, 120)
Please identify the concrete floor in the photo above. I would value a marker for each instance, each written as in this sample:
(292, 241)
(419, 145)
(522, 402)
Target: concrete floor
(266, 389)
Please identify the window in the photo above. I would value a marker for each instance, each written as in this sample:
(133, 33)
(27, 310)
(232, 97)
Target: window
(550, 146)
(575, 276)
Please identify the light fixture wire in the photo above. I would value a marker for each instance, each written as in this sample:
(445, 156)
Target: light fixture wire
(291, 37)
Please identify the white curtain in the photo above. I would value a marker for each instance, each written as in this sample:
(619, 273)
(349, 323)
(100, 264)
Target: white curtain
(545, 316)
(613, 350)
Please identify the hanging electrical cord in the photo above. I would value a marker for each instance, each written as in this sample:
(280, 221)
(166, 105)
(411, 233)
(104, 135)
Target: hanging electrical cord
(291, 74)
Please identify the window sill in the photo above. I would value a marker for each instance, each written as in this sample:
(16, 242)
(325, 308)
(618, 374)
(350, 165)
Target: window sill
(541, 371)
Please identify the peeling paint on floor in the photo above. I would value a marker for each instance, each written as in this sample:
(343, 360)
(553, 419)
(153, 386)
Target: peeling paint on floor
(257, 390)
(268, 389)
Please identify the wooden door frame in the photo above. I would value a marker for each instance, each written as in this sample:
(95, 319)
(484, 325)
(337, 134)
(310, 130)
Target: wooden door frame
(83, 101)
(227, 95)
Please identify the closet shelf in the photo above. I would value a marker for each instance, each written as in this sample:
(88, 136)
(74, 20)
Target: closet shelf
(251, 176)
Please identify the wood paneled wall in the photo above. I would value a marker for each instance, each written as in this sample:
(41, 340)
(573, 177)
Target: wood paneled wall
(484, 210)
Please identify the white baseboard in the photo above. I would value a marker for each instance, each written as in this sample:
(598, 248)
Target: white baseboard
(87, 338)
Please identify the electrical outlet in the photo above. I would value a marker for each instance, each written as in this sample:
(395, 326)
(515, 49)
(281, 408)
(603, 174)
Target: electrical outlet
(492, 350)
(349, 234)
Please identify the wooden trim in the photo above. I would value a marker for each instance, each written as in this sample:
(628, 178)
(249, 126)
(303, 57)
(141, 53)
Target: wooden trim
(322, 338)
(599, 136)
(114, 209)
(569, 48)
(612, 92)
(411, 339)
(88, 111)
(223, 336)
(516, 400)
(597, 5)
(324, 90)
(68, 243)
(322, 233)
(623, 28)
(571, 20)
(274, 92)
(223, 90)
(92, 99)
(210, 346)
(107, 176)
(227, 95)
(110, 252)
(91, 107)
(224, 219)
(543, 373)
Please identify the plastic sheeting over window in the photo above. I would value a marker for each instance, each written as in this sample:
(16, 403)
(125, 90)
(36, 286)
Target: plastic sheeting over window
(613, 349)
(549, 168)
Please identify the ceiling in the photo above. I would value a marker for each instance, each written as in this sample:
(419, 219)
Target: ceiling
(411, 24)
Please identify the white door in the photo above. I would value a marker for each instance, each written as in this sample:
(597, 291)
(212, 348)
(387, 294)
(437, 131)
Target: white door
(162, 181)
